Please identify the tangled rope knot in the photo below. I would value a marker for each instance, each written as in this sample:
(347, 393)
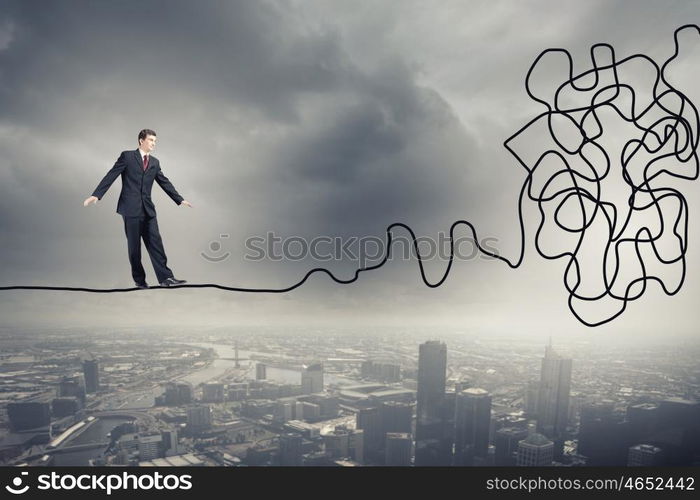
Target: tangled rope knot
(619, 134)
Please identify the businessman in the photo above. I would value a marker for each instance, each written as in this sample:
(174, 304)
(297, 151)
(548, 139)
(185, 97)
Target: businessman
(138, 169)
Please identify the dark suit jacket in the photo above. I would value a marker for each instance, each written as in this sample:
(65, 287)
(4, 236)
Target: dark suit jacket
(135, 198)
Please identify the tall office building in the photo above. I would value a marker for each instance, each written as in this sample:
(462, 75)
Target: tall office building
(170, 442)
(554, 392)
(507, 440)
(680, 417)
(185, 393)
(29, 415)
(328, 405)
(642, 420)
(170, 397)
(72, 386)
(312, 379)
(284, 411)
(199, 418)
(63, 407)
(150, 446)
(594, 418)
(290, 450)
(260, 371)
(383, 372)
(532, 390)
(357, 445)
(432, 446)
(680, 414)
(535, 450)
(337, 442)
(448, 412)
(398, 449)
(369, 420)
(213, 392)
(178, 393)
(472, 422)
(91, 372)
(396, 416)
(237, 391)
(644, 455)
(604, 437)
(344, 443)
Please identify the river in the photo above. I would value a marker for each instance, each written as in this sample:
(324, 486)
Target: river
(145, 399)
(220, 366)
(96, 433)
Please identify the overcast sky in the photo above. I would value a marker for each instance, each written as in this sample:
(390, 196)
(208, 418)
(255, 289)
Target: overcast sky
(301, 118)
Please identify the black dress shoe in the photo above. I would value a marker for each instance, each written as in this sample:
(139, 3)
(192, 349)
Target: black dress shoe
(142, 285)
(171, 282)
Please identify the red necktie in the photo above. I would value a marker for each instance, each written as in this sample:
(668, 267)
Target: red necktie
(145, 162)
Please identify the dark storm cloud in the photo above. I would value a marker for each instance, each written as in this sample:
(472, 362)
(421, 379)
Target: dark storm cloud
(250, 52)
(66, 67)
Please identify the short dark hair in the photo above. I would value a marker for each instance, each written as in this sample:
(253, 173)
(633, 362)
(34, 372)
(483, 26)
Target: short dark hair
(145, 133)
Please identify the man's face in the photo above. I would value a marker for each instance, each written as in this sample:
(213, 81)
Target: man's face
(148, 144)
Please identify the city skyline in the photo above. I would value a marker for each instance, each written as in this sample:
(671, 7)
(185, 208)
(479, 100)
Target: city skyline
(473, 392)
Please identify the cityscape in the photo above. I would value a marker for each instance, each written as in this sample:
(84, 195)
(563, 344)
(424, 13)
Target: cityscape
(263, 396)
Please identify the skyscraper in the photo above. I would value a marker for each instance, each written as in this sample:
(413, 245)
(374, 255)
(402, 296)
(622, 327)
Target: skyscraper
(370, 421)
(554, 392)
(150, 446)
(260, 371)
(535, 450)
(384, 372)
(644, 455)
(170, 442)
(312, 379)
(642, 420)
(199, 418)
(532, 390)
(432, 447)
(357, 445)
(398, 449)
(177, 393)
(604, 437)
(290, 449)
(62, 407)
(507, 440)
(213, 392)
(28, 415)
(185, 393)
(337, 442)
(396, 416)
(91, 372)
(680, 417)
(72, 386)
(472, 421)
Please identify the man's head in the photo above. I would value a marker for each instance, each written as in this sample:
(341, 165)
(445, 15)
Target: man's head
(147, 140)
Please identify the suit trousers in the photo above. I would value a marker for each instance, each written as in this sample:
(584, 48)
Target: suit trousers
(146, 227)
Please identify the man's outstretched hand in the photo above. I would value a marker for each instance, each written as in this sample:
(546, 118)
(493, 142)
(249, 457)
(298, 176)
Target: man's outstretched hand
(93, 199)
